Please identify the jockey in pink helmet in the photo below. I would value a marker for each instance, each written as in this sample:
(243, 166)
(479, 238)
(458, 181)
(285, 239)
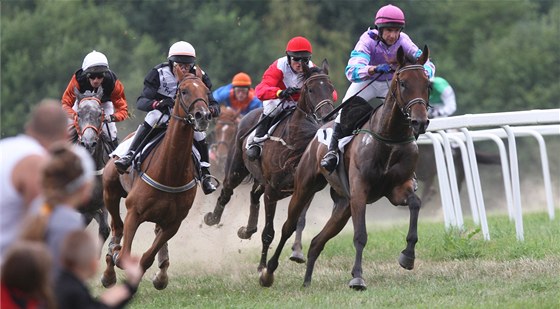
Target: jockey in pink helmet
(370, 60)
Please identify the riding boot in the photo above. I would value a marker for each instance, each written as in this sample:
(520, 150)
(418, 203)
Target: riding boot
(261, 134)
(330, 160)
(124, 162)
(205, 177)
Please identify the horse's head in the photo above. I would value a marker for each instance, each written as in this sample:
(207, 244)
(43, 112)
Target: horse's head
(224, 135)
(410, 88)
(317, 92)
(191, 102)
(89, 118)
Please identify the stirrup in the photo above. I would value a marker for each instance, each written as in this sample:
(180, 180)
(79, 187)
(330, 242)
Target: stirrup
(122, 164)
(207, 185)
(254, 151)
(327, 161)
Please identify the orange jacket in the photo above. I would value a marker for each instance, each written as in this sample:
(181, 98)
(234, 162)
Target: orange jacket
(113, 91)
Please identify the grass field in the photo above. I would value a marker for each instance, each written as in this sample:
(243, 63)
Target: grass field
(453, 270)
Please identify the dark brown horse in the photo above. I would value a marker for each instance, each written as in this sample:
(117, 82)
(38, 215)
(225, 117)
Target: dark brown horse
(224, 137)
(379, 162)
(273, 174)
(164, 191)
(88, 132)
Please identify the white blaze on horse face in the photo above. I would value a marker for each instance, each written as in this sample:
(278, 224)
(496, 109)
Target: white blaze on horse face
(196, 84)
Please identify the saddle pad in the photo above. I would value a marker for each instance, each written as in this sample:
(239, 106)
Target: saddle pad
(277, 120)
(324, 137)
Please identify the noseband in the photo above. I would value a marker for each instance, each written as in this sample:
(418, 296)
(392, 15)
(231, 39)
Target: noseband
(322, 103)
(189, 118)
(406, 108)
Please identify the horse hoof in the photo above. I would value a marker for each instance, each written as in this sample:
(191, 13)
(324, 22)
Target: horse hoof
(297, 257)
(406, 262)
(210, 219)
(266, 279)
(357, 284)
(244, 233)
(108, 281)
(160, 282)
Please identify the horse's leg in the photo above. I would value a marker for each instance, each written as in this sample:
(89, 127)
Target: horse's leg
(234, 176)
(297, 254)
(358, 210)
(161, 279)
(162, 236)
(407, 256)
(104, 228)
(268, 231)
(131, 223)
(245, 232)
(340, 215)
(112, 201)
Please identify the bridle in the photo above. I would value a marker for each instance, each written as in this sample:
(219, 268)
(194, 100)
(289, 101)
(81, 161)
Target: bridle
(408, 106)
(189, 118)
(315, 109)
(97, 129)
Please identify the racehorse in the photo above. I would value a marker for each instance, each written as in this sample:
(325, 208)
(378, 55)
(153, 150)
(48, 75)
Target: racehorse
(224, 135)
(379, 162)
(273, 174)
(88, 124)
(164, 188)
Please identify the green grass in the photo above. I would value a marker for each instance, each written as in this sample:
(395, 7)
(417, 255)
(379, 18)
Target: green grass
(455, 269)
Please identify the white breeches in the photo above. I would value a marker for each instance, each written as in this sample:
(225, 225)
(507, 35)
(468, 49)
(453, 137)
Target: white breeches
(157, 118)
(372, 91)
(271, 107)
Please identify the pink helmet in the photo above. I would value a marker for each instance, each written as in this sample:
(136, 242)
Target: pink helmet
(389, 16)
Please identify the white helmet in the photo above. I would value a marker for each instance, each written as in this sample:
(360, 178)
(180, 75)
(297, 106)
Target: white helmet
(182, 52)
(95, 62)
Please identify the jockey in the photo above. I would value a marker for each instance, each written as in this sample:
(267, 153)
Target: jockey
(442, 99)
(157, 98)
(238, 95)
(95, 73)
(369, 61)
(279, 88)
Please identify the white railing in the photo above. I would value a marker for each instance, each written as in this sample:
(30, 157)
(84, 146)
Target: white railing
(508, 125)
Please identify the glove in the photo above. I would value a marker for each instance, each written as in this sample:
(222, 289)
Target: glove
(214, 110)
(382, 68)
(288, 92)
(109, 118)
(164, 105)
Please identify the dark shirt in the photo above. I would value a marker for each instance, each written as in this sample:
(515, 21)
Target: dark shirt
(71, 293)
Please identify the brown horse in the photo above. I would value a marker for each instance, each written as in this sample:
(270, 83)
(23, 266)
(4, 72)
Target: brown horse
(224, 136)
(87, 130)
(379, 162)
(165, 188)
(273, 174)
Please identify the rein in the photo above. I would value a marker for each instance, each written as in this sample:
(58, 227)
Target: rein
(189, 118)
(319, 105)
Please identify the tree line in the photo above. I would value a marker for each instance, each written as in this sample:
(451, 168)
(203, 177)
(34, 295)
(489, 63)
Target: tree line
(497, 55)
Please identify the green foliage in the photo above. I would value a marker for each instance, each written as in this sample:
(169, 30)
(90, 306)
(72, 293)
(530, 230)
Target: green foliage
(498, 55)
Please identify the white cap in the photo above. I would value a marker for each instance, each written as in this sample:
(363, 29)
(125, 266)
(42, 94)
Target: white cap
(181, 49)
(95, 59)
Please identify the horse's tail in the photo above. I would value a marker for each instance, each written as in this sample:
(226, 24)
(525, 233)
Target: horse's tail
(487, 158)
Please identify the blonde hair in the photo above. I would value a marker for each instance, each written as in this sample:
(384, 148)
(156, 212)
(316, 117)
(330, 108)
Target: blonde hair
(67, 170)
(27, 268)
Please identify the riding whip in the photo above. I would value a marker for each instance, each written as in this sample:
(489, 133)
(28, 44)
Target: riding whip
(334, 111)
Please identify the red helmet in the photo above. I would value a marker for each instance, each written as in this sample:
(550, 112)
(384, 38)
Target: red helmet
(299, 47)
(389, 16)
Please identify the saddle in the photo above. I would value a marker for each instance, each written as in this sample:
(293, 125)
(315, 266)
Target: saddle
(155, 140)
(284, 114)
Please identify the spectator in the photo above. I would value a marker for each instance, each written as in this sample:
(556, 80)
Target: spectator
(238, 95)
(67, 182)
(442, 99)
(79, 263)
(93, 76)
(26, 277)
(22, 157)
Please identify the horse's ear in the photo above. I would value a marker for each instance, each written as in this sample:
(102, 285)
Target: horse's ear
(325, 66)
(99, 94)
(78, 95)
(178, 73)
(401, 60)
(425, 55)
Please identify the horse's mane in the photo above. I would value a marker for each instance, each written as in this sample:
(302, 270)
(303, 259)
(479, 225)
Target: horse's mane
(306, 130)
